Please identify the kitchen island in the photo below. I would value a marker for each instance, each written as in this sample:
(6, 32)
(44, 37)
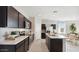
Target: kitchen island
(56, 43)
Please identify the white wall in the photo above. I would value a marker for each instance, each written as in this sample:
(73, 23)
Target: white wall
(37, 27)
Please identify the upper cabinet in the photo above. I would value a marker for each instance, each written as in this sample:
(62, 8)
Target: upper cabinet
(3, 17)
(10, 17)
(21, 21)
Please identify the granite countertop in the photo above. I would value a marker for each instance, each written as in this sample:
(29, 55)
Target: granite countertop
(58, 36)
(12, 42)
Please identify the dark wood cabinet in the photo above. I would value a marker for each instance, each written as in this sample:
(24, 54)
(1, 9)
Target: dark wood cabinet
(26, 44)
(54, 44)
(57, 45)
(12, 17)
(20, 49)
(22, 46)
(8, 17)
(7, 48)
(21, 21)
(3, 17)
(31, 38)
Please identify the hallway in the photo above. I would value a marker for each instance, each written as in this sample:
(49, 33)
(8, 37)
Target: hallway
(38, 46)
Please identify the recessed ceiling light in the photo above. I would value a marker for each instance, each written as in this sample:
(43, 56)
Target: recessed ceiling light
(55, 11)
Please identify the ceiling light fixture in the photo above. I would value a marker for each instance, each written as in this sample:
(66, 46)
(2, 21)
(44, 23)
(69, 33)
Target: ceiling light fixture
(55, 11)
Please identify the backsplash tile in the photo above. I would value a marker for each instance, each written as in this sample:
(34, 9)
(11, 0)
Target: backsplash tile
(8, 30)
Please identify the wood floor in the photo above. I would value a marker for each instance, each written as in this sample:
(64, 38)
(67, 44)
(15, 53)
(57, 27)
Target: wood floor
(38, 46)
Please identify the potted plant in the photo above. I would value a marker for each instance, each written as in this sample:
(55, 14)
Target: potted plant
(72, 28)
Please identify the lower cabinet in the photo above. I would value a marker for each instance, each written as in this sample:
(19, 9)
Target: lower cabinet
(23, 46)
(26, 44)
(54, 45)
(7, 48)
(31, 38)
(20, 46)
(20, 49)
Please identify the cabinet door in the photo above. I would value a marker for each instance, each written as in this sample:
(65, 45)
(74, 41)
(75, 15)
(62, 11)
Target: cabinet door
(12, 19)
(21, 21)
(3, 16)
(56, 45)
(20, 47)
(26, 44)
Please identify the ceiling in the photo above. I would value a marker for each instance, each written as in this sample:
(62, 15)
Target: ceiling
(63, 13)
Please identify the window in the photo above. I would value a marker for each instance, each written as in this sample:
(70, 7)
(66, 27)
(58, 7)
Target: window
(61, 27)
